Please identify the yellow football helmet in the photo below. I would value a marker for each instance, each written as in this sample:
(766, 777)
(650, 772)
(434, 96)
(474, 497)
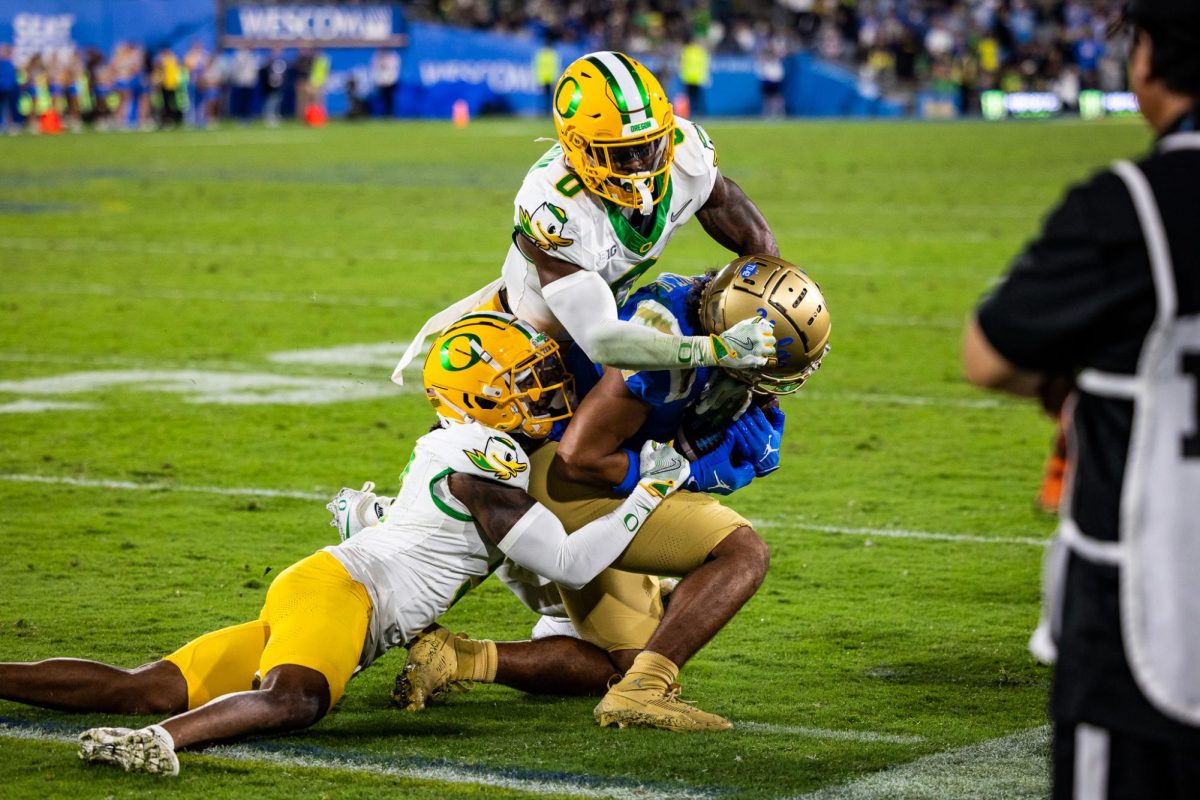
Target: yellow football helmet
(769, 287)
(616, 127)
(494, 369)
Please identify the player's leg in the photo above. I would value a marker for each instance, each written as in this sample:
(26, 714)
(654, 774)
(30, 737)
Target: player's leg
(317, 617)
(613, 618)
(72, 684)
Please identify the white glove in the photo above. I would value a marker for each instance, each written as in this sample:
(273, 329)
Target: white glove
(662, 469)
(749, 343)
(355, 509)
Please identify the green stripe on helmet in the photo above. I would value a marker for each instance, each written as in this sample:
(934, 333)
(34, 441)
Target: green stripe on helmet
(637, 80)
(618, 95)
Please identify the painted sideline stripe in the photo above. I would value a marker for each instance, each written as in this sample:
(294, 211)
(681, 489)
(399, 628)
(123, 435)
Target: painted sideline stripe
(899, 533)
(826, 733)
(554, 784)
(1009, 768)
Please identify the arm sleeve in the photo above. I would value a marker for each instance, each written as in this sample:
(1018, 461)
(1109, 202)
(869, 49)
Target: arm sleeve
(585, 306)
(538, 541)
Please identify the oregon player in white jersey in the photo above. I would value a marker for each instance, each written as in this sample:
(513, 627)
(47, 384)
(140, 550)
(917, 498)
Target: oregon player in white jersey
(462, 510)
(597, 211)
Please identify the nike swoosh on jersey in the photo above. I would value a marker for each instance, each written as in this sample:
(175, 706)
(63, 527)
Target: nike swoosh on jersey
(675, 215)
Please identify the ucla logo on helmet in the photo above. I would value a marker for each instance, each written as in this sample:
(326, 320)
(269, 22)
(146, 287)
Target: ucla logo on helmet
(749, 270)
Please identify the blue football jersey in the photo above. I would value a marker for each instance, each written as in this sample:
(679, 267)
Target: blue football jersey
(662, 305)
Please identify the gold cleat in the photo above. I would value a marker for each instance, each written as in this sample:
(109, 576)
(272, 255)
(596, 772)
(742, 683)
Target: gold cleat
(429, 671)
(627, 703)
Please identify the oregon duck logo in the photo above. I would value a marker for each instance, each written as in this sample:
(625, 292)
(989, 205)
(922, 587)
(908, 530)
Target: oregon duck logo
(545, 225)
(499, 457)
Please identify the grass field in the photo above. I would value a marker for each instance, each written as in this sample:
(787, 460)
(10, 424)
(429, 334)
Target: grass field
(198, 333)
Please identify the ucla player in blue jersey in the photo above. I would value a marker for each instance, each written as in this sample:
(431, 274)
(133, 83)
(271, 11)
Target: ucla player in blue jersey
(729, 438)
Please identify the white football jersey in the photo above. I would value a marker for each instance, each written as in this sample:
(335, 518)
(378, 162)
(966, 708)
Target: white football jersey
(557, 213)
(427, 553)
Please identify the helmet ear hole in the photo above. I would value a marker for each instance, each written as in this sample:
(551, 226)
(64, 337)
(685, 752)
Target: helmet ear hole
(484, 403)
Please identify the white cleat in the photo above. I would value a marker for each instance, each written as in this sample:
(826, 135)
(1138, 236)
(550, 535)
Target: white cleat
(144, 750)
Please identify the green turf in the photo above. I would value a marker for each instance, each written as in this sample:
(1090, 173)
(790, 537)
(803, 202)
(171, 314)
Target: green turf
(206, 252)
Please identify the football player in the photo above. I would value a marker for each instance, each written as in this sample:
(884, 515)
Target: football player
(498, 386)
(620, 615)
(596, 211)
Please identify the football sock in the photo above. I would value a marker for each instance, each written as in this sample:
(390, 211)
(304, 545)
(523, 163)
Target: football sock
(659, 669)
(477, 660)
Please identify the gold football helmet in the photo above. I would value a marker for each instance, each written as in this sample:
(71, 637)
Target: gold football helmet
(769, 287)
(616, 127)
(494, 369)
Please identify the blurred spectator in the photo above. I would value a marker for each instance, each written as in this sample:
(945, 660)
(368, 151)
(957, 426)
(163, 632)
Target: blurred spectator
(547, 67)
(9, 88)
(195, 65)
(769, 67)
(243, 77)
(168, 82)
(385, 76)
(694, 72)
(271, 77)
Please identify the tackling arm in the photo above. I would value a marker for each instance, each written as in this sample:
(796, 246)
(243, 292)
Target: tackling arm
(585, 306)
(590, 450)
(529, 534)
(734, 222)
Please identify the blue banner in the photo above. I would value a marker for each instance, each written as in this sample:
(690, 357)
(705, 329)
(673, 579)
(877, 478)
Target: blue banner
(316, 26)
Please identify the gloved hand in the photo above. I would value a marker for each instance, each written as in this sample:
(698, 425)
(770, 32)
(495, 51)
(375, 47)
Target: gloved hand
(749, 343)
(662, 469)
(758, 434)
(722, 471)
(356, 509)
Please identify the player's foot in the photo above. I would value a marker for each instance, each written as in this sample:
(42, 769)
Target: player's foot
(144, 750)
(630, 702)
(430, 670)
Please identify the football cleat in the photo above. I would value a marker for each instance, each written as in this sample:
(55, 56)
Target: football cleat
(629, 703)
(145, 750)
(355, 509)
(430, 669)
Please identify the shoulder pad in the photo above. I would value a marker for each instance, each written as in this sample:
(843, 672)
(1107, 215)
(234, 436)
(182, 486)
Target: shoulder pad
(553, 212)
(477, 450)
(695, 152)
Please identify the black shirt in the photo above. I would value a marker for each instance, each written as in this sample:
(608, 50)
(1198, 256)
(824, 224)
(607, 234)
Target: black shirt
(1081, 295)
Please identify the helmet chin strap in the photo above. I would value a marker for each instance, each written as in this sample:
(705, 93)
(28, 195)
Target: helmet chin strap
(644, 193)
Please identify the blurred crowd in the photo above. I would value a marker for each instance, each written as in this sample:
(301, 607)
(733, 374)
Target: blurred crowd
(139, 88)
(897, 48)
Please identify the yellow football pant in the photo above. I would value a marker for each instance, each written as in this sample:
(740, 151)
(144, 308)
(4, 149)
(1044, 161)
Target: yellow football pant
(620, 609)
(315, 616)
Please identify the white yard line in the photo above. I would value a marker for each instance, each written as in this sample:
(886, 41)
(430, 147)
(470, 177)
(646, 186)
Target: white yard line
(909, 400)
(826, 733)
(553, 784)
(1009, 768)
(898, 533)
(98, 483)
(191, 295)
(298, 494)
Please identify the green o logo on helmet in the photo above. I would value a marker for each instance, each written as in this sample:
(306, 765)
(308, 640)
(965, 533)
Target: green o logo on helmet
(573, 103)
(452, 355)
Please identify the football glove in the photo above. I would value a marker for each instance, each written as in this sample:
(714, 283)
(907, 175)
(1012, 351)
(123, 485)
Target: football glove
(355, 509)
(662, 470)
(758, 435)
(750, 343)
(722, 471)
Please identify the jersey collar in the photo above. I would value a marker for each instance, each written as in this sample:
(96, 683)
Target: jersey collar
(628, 235)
